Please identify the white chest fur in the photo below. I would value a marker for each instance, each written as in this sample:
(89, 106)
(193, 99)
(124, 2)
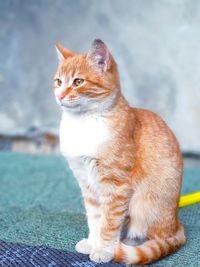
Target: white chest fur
(82, 135)
(84, 169)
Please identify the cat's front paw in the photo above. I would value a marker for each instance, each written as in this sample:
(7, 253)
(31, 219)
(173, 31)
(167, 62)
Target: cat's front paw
(83, 246)
(101, 255)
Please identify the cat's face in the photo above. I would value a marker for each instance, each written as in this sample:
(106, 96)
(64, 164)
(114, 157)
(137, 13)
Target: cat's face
(88, 82)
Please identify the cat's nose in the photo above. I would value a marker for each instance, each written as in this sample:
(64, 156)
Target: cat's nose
(64, 93)
(61, 96)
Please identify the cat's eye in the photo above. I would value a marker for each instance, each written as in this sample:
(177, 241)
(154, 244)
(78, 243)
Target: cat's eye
(58, 82)
(78, 82)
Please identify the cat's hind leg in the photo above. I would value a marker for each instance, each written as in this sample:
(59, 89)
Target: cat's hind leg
(130, 234)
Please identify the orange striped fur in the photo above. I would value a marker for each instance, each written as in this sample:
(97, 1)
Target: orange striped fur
(126, 160)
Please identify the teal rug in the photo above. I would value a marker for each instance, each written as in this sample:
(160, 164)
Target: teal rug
(40, 204)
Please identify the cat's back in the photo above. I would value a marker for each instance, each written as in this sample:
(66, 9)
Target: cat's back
(154, 137)
(151, 123)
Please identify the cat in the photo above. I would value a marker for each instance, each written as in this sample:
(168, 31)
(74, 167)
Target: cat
(126, 160)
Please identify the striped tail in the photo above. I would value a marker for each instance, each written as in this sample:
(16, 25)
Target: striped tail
(150, 250)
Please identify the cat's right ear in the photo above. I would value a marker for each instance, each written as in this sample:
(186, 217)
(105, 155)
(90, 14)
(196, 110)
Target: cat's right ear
(63, 53)
(99, 55)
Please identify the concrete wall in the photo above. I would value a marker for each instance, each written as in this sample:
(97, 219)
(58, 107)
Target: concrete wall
(156, 44)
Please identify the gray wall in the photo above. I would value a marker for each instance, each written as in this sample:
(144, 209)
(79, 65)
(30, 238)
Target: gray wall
(156, 44)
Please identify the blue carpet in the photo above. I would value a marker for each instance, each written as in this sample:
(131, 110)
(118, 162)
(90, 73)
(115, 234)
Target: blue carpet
(41, 207)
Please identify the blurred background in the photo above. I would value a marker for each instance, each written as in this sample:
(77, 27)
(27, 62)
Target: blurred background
(155, 43)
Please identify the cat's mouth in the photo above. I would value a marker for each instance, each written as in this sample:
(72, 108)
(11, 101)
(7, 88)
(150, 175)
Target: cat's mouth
(67, 103)
(71, 105)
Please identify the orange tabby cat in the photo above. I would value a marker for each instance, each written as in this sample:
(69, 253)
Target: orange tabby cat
(126, 160)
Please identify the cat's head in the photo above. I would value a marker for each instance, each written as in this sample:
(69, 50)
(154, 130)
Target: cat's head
(86, 82)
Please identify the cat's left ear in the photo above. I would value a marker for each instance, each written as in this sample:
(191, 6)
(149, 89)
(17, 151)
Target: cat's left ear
(63, 53)
(99, 55)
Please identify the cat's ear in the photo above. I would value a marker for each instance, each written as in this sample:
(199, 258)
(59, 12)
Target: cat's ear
(99, 55)
(63, 52)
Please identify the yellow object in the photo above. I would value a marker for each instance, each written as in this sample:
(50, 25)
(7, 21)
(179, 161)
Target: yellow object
(189, 199)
